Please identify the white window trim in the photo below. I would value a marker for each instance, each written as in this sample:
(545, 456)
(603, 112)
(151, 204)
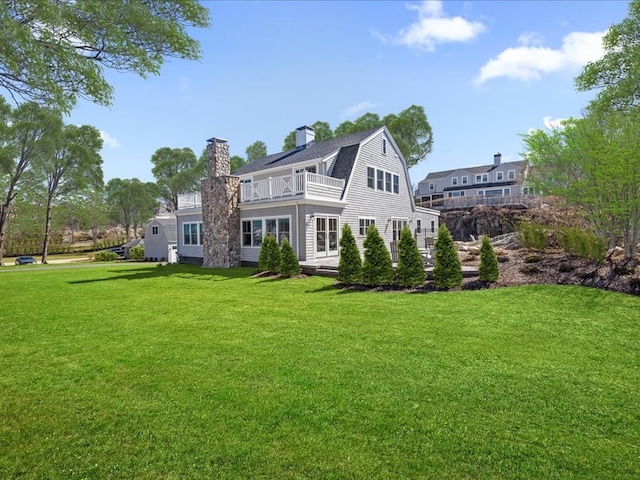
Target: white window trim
(384, 181)
(370, 219)
(499, 176)
(464, 179)
(511, 174)
(432, 186)
(277, 218)
(454, 181)
(199, 234)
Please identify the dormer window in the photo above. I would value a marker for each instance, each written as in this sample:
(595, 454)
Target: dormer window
(499, 176)
(454, 181)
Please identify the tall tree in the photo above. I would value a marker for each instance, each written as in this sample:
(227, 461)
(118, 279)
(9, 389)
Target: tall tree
(617, 72)
(410, 129)
(592, 162)
(322, 132)
(131, 202)
(176, 170)
(28, 133)
(74, 165)
(257, 149)
(54, 51)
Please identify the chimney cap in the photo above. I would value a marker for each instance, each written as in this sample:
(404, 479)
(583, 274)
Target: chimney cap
(305, 127)
(217, 140)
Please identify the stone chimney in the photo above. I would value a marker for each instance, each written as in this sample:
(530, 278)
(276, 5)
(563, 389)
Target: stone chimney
(497, 158)
(304, 136)
(220, 213)
(218, 163)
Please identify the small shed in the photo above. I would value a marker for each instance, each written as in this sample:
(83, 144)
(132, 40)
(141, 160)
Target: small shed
(161, 238)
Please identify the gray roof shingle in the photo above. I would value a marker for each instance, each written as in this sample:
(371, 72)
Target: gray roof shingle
(309, 152)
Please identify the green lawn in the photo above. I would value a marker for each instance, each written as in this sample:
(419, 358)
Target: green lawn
(179, 372)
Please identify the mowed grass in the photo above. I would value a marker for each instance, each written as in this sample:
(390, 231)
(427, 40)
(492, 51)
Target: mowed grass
(179, 372)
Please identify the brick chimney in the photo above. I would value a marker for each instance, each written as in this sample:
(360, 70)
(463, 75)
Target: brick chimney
(304, 136)
(497, 158)
(220, 213)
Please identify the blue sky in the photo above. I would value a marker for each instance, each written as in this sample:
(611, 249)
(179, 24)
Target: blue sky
(484, 71)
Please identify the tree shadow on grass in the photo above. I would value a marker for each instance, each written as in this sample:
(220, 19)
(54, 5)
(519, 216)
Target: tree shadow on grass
(192, 272)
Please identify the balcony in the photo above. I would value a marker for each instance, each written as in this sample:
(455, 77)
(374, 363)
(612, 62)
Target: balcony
(303, 184)
(189, 200)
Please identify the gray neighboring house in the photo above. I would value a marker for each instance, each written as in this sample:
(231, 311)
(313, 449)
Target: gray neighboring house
(498, 179)
(305, 195)
(161, 238)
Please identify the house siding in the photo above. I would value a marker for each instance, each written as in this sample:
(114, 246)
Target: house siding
(251, 254)
(363, 201)
(188, 251)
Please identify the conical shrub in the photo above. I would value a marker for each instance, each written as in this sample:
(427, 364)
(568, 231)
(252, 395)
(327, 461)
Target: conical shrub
(269, 257)
(377, 269)
(289, 264)
(410, 270)
(350, 265)
(447, 270)
(488, 271)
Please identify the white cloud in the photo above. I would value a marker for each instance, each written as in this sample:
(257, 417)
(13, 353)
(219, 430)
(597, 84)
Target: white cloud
(357, 109)
(553, 123)
(434, 27)
(109, 141)
(530, 60)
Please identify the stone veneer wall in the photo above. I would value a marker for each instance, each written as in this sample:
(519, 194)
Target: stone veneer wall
(220, 213)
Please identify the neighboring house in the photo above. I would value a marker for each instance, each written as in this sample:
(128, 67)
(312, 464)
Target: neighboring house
(495, 180)
(305, 195)
(161, 238)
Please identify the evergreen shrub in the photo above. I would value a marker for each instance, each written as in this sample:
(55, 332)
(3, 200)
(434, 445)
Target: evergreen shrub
(447, 270)
(377, 269)
(269, 258)
(410, 270)
(350, 265)
(488, 271)
(289, 264)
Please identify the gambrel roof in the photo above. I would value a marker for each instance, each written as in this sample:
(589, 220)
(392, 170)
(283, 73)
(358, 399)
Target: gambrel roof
(312, 151)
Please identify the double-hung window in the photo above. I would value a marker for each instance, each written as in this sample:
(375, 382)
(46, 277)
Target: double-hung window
(371, 177)
(192, 233)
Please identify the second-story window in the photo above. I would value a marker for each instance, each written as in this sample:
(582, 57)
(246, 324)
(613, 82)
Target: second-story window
(380, 179)
(465, 180)
(511, 174)
(371, 177)
(454, 181)
(154, 230)
(432, 186)
(499, 176)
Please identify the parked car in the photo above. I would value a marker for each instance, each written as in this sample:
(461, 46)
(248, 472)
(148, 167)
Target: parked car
(25, 260)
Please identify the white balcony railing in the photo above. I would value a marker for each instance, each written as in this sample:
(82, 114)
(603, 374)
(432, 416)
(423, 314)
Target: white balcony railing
(189, 200)
(303, 183)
